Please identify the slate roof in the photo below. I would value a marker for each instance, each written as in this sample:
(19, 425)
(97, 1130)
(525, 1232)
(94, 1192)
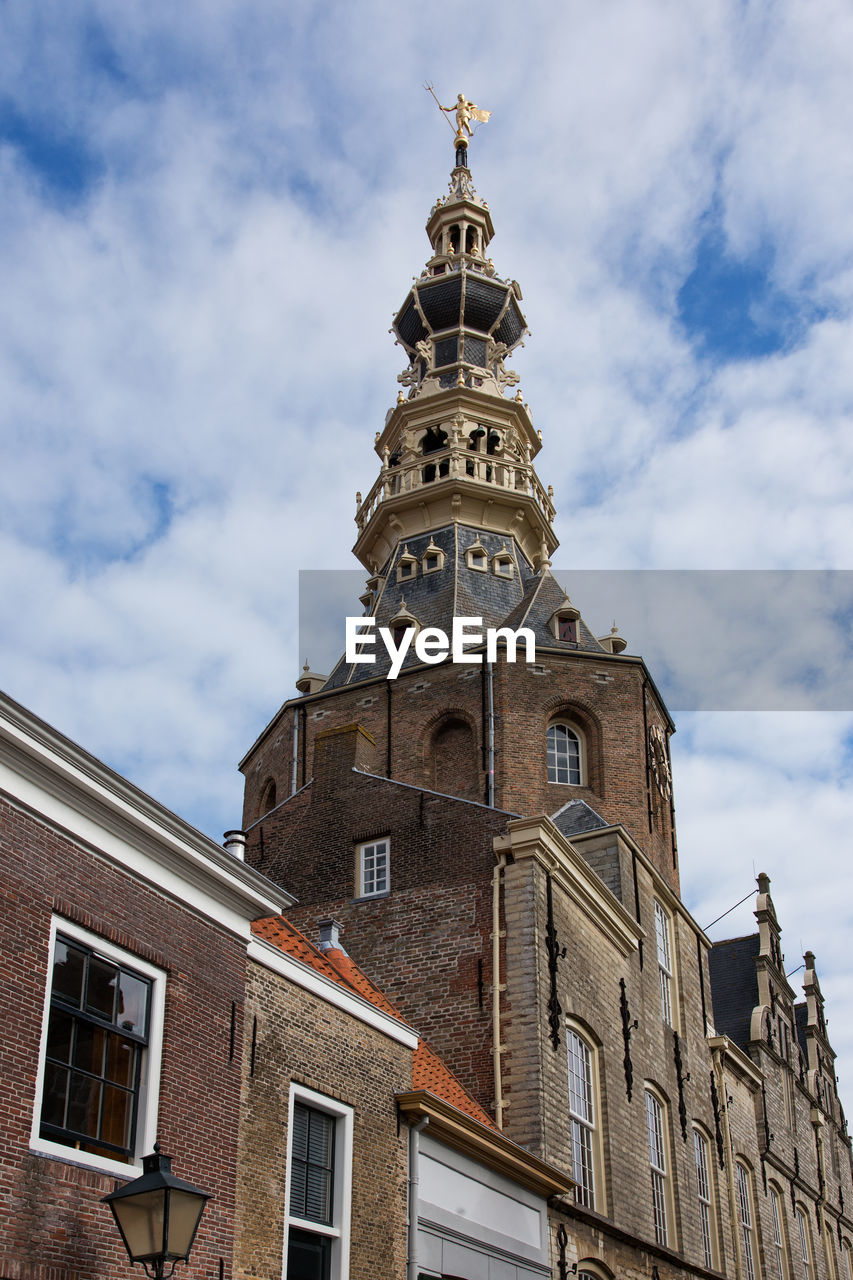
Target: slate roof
(456, 590)
(428, 1070)
(734, 986)
(577, 816)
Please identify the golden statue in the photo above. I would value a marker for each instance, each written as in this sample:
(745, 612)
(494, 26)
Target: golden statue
(465, 112)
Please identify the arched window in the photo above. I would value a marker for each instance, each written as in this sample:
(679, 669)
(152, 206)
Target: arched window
(565, 762)
(747, 1219)
(704, 1192)
(777, 1213)
(663, 930)
(657, 1130)
(268, 797)
(847, 1268)
(583, 1113)
(805, 1242)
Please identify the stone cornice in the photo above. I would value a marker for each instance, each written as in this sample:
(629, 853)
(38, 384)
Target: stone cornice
(47, 775)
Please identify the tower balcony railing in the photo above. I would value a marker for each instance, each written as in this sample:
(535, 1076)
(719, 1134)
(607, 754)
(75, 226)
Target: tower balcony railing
(456, 462)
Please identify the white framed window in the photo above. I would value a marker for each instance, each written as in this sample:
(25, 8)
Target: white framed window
(659, 1164)
(477, 557)
(704, 1195)
(502, 565)
(777, 1216)
(565, 755)
(583, 1118)
(374, 869)
(318, 1189)
(98, 1072)
(805, 1242)
(664, 954)
(745, 1213)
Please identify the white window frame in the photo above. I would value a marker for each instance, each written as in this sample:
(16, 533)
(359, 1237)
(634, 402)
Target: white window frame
(777, 1216)
(805, 1242)
(339, 1230)
(362, 852)
(663, 949)
(703, 1165)
(149, 1085)
(584, 1128)
(657, 1130)
(565, 763)
(746, 1220)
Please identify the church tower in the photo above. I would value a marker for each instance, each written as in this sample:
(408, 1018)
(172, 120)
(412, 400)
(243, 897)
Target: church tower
(493, 841)
(458, 524)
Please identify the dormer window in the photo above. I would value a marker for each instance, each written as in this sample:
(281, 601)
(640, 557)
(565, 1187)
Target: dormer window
(564, 623)
(432, 559)
(399, 632)
(502, 564)
(477, 557)
(407, 566)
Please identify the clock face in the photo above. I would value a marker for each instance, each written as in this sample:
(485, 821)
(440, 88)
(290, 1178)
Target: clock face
(659, 761)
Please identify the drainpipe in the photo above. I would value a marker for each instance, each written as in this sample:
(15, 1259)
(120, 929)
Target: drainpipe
(414, 1135)
(497, 1047)
(490, 736)
(295, 750)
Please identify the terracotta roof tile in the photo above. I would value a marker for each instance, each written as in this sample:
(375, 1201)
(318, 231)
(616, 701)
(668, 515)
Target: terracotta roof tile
(428, 1070)
(430, 1073)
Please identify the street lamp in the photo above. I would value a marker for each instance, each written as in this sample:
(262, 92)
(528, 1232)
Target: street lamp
(157, 1215)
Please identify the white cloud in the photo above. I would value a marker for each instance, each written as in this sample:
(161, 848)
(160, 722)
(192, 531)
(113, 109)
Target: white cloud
(194, 356)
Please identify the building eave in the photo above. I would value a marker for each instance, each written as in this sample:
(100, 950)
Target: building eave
(58, 782)
(490, 1146)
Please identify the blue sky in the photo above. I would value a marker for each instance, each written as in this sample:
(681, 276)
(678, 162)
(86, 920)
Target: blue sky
(211, 212)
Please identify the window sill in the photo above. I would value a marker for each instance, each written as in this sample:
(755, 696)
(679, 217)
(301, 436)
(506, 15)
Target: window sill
(372, 897)
(84, 1160)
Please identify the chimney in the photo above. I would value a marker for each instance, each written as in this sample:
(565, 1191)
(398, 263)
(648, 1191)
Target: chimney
(330, 935)
(235, 842)
(337, 752)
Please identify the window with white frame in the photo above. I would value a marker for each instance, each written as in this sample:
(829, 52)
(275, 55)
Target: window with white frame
(319, 1187)
(374, 876)
(805, 1242)
(664, 952)
(564, 755)
(582, 1113)
(744, 1196)
(703, 1193)
(777, 1216)
(655, 1125)
(99, 1061)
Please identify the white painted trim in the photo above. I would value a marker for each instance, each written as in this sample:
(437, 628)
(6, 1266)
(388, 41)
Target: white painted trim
(339, 1231)
(58, 782)
(149, 1091)
(302, 975)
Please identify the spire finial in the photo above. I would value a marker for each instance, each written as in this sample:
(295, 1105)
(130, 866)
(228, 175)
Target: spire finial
(465, 112)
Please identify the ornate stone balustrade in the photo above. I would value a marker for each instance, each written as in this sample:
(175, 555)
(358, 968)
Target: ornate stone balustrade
(455, 462)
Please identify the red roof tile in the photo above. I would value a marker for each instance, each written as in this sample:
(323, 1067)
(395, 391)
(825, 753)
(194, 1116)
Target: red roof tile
(428, 1070)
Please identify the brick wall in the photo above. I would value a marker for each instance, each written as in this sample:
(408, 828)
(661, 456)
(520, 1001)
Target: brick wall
(301, 1038)
(429, 730)
(54, 1223)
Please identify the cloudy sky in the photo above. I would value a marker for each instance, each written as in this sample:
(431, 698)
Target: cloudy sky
(211, 211)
